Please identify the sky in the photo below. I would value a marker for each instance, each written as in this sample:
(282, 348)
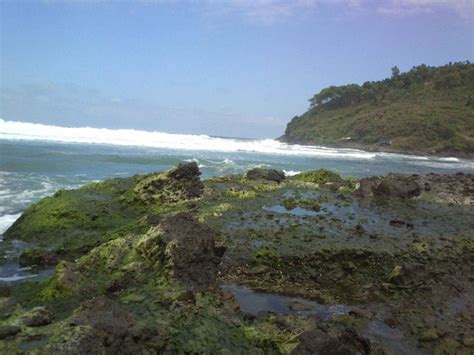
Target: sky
(235, 68)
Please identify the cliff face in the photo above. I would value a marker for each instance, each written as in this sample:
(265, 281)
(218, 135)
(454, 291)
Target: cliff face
(428, 110)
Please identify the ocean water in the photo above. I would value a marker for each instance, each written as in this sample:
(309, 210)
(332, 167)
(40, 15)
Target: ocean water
(37, 160)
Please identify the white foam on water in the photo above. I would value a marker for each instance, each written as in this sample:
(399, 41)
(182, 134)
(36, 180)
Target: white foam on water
(15, 278)
(291, 172)
(7, 220)
(13, 130)
(449, 159)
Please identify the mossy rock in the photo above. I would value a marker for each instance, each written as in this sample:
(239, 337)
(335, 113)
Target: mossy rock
(321, 176)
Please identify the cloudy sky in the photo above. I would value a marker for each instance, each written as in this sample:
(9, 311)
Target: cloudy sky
(228, 68)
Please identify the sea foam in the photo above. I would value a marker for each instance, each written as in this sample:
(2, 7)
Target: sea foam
(13, 130)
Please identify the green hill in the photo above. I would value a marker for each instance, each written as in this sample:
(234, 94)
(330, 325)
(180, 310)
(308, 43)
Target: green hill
(426, 110)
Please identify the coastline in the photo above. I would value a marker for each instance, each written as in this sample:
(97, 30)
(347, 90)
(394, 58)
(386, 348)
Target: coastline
(384, 149)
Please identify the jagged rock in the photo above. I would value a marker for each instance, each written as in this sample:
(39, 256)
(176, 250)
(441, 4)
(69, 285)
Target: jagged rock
(366, 187)
(37, 317)
(180, 183)
(317, 342)
(397, 186)
(265, 174)
(38, 256)
(9, 331)
(191, 250)
(102, 314)
(68, 275)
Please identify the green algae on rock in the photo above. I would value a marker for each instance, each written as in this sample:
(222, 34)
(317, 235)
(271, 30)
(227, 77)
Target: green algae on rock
(148, 279)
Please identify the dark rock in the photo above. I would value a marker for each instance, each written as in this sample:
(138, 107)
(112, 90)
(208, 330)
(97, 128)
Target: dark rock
(397, 186)
(400, 223)
(37, 317)
(360, 312)
(220, 250)
(39, 257)
(391, 322)
(188, 175)
(366, 187)
(317, 342)
(177, 184)
(187, 296)
(298, 306)
(265, 174)
(8, 331)
(102, 314)
(5, 291)
(410, 275)
(194, 256)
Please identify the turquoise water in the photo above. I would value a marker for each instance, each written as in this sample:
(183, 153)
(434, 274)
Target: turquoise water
(32, 169)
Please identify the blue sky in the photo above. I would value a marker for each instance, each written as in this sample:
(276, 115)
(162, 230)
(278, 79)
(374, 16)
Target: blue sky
(228, 68)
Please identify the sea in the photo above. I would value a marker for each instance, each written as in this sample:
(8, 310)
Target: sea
(37, 160)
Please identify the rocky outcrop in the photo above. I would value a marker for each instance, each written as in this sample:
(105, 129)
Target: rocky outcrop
(37, 317)
(397, 186)
(458, 188)
(102, 314)
(265, 174)
(180, 183)
(191, 250)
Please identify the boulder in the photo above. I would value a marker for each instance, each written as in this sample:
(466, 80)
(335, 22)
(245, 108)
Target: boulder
(37, 317)
(397, 186)
(191, 250)
(265, 174)
(174, 185)
(366, 187)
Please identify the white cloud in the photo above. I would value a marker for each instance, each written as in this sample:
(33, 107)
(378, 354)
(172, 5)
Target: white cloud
(463, 8)
(273, 11)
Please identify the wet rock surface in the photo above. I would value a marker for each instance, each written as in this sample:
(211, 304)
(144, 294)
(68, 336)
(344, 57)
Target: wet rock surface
(191, 246)
(265, 174)
(456, 188)
(321, 343)
(104, 315)
(167, 263)
(37, 317)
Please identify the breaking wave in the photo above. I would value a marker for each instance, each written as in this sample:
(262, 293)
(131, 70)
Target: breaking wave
(14, 130)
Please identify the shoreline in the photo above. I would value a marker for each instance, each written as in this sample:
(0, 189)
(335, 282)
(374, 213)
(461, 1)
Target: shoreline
(383, 149)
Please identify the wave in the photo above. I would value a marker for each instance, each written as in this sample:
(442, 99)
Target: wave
(7, 220)
(13, 130)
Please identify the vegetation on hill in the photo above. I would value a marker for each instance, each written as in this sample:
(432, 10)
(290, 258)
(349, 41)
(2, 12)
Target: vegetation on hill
(425, 110)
